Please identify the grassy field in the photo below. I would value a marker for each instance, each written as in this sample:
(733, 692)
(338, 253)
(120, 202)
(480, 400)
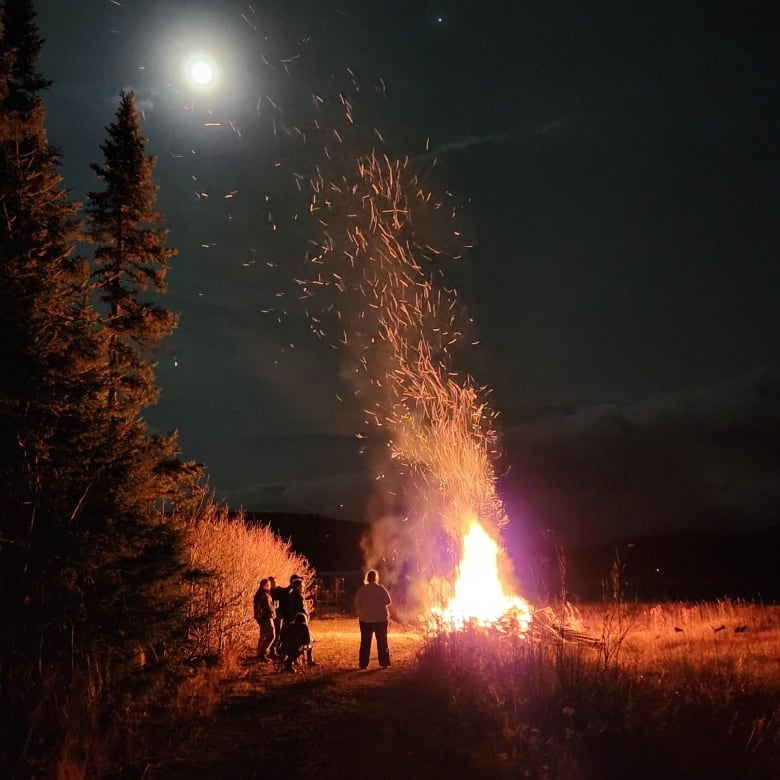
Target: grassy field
(636, 691)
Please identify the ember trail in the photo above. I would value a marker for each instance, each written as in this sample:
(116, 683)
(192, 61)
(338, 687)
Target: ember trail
(376, 291)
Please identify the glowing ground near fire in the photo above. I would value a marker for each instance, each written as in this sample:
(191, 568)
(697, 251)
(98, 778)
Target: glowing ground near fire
(470, 704)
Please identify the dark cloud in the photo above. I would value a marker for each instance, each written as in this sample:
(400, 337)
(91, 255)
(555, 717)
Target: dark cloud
(707, 458)
(337, 495)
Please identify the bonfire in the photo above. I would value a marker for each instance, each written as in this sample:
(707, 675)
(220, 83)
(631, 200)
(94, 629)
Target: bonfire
(479, 599)
(385, 305)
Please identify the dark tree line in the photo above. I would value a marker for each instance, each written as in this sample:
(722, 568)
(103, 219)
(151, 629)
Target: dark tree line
(92, 542)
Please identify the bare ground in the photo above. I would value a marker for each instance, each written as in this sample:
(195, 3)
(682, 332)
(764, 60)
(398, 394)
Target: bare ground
(333, 721)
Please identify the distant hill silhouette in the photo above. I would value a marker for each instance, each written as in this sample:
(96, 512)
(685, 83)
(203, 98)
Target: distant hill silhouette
(689, 566)
(329, 544)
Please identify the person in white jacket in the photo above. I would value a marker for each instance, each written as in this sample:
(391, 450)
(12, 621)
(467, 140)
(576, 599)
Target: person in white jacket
(371, 604)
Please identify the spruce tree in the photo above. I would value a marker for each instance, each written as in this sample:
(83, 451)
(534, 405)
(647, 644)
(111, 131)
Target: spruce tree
(50, 368)
(91, 555)
(131, 258)
(142, 606)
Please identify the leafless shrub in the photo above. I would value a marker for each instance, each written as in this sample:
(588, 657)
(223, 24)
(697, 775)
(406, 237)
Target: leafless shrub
(235, 556)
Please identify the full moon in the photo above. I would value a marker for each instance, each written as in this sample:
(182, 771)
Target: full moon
(201, 72)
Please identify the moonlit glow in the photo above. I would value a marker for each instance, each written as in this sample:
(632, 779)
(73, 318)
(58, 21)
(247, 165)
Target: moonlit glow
(200, 71)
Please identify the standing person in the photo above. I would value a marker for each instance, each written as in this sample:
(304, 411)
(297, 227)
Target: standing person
(264, 615)
(296, 601)
(279, 599)
(288, 613)
(372, 602)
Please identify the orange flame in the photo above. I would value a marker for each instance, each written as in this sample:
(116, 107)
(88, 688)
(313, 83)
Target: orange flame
(479, 598)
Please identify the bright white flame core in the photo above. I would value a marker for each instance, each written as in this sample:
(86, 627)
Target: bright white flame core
(479, 597)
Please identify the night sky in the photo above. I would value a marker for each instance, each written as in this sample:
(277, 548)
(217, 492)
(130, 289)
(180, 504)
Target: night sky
(613, 169)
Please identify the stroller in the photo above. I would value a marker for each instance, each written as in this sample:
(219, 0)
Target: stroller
(292, 651)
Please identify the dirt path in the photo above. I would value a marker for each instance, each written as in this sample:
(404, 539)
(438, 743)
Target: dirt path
(334, 721)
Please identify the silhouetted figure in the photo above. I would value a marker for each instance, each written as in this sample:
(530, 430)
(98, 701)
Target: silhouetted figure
(279, 598)
(294, 640)
(264, 615)
(371, 604)
(297, 604)
(288, 614)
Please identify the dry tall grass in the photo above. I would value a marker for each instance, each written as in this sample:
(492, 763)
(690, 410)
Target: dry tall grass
(692, 691)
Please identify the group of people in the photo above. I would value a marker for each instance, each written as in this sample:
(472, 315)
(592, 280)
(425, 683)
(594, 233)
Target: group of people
(282, 614)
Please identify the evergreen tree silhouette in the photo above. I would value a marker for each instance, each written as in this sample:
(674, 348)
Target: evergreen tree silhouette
(92, 558)
(145, 489)
(50, 367)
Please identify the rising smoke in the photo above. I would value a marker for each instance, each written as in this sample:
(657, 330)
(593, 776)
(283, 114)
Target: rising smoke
(377, 291)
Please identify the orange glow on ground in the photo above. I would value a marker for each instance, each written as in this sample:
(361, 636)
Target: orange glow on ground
(479, 598)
